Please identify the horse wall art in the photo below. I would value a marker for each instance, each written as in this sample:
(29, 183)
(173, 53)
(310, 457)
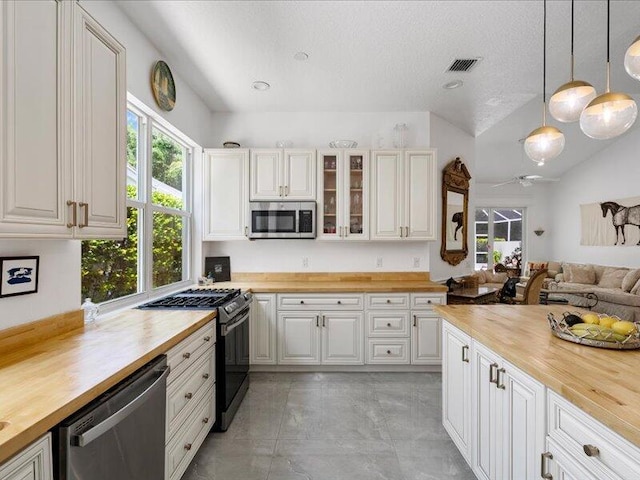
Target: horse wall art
(611, 223)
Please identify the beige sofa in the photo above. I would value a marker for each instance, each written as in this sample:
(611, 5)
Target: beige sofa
(617, 288)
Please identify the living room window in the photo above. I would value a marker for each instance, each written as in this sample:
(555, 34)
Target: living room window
(498, 237)
(155, 255)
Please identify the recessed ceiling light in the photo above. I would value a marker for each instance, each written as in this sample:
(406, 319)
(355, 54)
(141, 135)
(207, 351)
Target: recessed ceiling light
(260, 85)
(301, 56)
(453, 84)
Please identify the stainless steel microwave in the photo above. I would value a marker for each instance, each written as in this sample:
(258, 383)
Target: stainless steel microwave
(282, 220)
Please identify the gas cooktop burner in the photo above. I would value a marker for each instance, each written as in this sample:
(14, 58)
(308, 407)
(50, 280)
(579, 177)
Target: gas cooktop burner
(194, 299)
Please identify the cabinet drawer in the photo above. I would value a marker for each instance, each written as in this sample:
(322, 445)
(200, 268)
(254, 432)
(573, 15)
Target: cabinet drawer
(388, 324)
(322, 302)
(387, 350)
(33, 463)
(188, 389)
(183, 447)
(387, 300)
(184, 354)
(426, 301)
(574, 429)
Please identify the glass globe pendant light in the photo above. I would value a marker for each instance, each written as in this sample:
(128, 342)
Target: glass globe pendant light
(612, 113)
(568, 101)
(632, 59)
(545, 142)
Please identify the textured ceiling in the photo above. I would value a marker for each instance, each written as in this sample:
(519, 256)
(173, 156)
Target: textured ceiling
(387, 55)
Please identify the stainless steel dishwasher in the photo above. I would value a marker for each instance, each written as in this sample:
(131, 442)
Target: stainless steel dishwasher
(121, 434)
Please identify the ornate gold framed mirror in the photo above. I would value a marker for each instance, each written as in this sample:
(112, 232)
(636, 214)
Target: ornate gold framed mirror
(455, 212)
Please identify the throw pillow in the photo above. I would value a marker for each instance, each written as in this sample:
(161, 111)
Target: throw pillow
(612, 277)
(630, 279)
(636, 288)
(533, 267)
(553, 268)
(480, 274)
(566, 270)
(584, 274)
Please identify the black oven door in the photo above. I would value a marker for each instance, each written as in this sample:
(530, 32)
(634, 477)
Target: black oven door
(274, 223)
(232, 366)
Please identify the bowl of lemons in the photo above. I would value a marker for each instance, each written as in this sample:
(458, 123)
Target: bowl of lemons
(596, 330)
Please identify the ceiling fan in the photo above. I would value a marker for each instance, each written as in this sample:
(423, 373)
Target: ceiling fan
(527, 180)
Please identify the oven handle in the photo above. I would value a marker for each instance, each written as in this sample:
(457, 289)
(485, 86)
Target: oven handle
(90, 435)
(226, 329)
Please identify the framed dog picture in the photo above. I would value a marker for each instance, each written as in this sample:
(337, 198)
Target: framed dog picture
(19, 276)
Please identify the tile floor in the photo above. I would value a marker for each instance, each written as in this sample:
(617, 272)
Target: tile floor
(335, 426)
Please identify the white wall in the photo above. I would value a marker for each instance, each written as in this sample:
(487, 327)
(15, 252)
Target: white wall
(190, 114)
(317, 129)
(451, 142)
(58, 284)
(613, 173)
(323, 256)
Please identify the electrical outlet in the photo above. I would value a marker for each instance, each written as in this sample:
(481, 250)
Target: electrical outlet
(379, 262)
(305, 262)
(416, 262)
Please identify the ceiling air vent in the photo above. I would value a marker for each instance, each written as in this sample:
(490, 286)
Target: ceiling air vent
(463, 64)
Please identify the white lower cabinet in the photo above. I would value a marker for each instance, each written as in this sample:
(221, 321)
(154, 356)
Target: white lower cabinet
(314, 338)
(557, 464)
(262, 330)
(509, 430)
(456, 387)
(190, 399)
(425, 339)
(33, 463)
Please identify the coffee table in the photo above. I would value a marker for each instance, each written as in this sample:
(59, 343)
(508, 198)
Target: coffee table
(473, 296)
(577, 298)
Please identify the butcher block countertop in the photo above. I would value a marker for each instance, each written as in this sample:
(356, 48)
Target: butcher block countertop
(386, 282)
(604, 383)
(51, 368)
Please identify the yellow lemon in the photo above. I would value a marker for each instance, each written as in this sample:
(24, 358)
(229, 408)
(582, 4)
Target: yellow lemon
(607, 321)
(624, 327)
(591, 318)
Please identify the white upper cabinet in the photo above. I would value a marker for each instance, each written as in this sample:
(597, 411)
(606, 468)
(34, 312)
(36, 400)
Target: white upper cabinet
(34, 128)
(343, 194)
(226, 187)
(100, 99)
(283, 175)
(403, 195)
(62, 129)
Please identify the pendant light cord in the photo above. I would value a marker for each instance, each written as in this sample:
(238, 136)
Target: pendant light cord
(572, 40)
(608, 35)
(544, 63)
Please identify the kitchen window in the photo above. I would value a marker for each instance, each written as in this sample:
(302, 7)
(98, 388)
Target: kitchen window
(155, 256)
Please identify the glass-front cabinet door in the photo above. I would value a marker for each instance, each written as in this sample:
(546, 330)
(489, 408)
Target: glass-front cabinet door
(343, 194)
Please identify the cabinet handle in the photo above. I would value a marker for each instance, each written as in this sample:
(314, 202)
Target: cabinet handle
(415, 321)
(286, 190)
(400, 232)
(591, 450)
(188, 396)
(388, 325)
(543, 465)
(246, 231)
(205, 420)
(388, 352)
(346, 232)
(187, 446)
(86, 214)
(323, 321)
(406, 234)
(499, 384)
(388, 301)
(301, 302)
(339, 302)
(317, 320)
(429, 302)
(74, 214)
(491, 374)
(205, 376)
(465, 353)
(280, 191)
(207, 338)
(186, 355)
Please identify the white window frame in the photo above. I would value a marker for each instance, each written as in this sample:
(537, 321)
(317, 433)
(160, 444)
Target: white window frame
(149, 120)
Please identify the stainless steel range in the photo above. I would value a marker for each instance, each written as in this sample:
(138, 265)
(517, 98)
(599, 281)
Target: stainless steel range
(232, 345)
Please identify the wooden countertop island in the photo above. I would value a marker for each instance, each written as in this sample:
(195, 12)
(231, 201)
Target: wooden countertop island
(387, 282)
(604, 383)
(52, 368)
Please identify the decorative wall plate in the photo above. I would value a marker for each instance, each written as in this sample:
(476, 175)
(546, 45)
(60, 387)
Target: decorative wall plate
(163, 86)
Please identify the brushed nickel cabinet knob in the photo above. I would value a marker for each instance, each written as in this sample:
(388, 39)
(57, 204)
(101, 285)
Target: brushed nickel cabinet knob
(591, 450)
(186, 355)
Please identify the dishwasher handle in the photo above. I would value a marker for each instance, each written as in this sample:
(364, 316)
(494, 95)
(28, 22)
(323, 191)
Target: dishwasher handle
(107, 424)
